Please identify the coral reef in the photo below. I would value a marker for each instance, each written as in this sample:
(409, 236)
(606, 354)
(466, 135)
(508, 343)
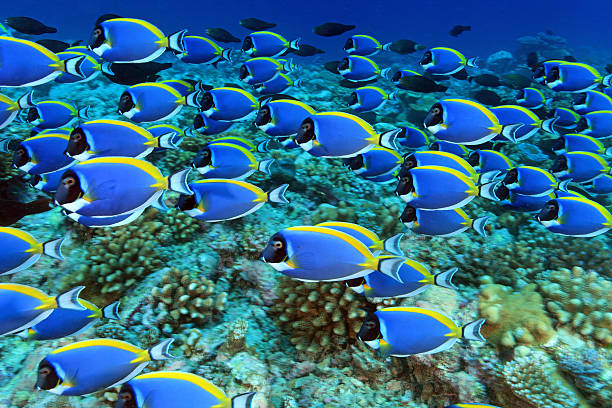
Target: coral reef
(581, 300)
(514, 318)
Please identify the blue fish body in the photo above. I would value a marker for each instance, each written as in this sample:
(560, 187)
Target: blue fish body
(444, 61)
(582, 167)
(439, 188)
(489, 160)
(153, 102)
(369, 98)
(466, 122)
(532, 98)
(267, 44)
(108, 362)
(286, 116)
(363, 45)
(575, 142)
(567, 118)
(379, 161)
(131, 40)
(510, 114)
(359, 69)
(601, 185)
(579, 217)
(599, 124)
(594, 101)
(200, 50)
(277, 85)
(441, 223)
(444, 146)
(210, 126)
(413, 138)
(444, 159)
(532, 181)
(574, 77)
(415, 279)
(19, 250)
(46, 153)
(261, 69)
(90, 68)
(229, 161)
(54, 114)
(525, 203)
(382, 179)
(26, 63)
(231, 104)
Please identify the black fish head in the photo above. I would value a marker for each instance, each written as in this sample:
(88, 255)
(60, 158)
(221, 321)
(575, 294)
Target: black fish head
(538, 71)
(580, 99)
(198, 123)
(344, 64)
(370, 328)
(349, 44)
(352, 99)
(427, 58)
(126, 397)
(549, 212)
(474, 159)
(409, 214)
(559, 165)
(355, 162)
(244, 72)
(306, 132)
(32, 114)
(125, 103)
(203, 158)
(264, 116)
(77, 143)
(501, 192)
(559, 144)
(47, 376)
(20, 156)
(396, 77)
(186, 202)
(276, 250)
(247, 44)
(553, 75)
(410, 162)
(405, 185)
(511, 177)
(434, 116)
(69, 188)
(97, 38)
(207, 101)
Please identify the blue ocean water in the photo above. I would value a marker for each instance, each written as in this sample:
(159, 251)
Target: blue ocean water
(507, 304)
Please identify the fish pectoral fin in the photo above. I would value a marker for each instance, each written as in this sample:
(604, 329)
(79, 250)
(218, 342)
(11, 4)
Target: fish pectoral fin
(143, 357)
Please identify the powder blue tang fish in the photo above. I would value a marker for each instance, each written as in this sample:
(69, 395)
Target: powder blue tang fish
(405, 331)
(20, 250)
(55, 114)
(228, 161)
(484, 161)
(162, 389)
(228, 104)
(150, 102)
(282, 117)
(376, 162)
(207, 126)
(93, 365)
(531, 98)
(592, 101)
(363, 45)
(412, 137)
(357, 68)
(445, 61)
(42, 154)
(575, 216)
(267, 44)
(533, 181)
(368, 98)
(600, 185)
(599, 124)
(278, 85)
(575, 142)
(441, 223)
(22, 307)
(258, 70)
(202, 50)
(566, 118)
(511, 114)
(580, 167)
(575, 77)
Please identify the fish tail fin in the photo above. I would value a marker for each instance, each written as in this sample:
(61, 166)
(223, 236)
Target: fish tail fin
(263, 146)
(471, 331)
(393, 95)
(72, 66)
(607, 80)
(488, 176)
(391, 245)
(473, 62)
(389, 139)
(226, 54)
(70, 299)
(106, 68)
(25, 101)
(160, 203)
(278, 194)
(243, 400)
(390, 266)
(53, 248)
(607, 152)
(295, 44)
(509, 131)
(548, 125)
(289, 65)
(178, 182)
(161, 351)
(169, 140)
(479, 225)
(5, 145)
(298, 83)
(488, 190)
(111, 311)
(387, 46)
(175, 41)
(24, 334)
(190, 132)
(264, 166)
(563, 185)
(83, 113)
(385, 73)
(192, 99)
(445, 279)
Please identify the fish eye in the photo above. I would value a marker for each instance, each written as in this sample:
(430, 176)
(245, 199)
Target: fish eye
(98, 31)
(370, 325)
(69, 181)
(277, 244)
(126, 396)
(436, 111)
(77, 137)
(305, 126)
(405, 179)
(44, 371)
(205, 153)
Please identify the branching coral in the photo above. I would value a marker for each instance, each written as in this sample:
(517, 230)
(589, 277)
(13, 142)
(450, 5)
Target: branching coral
(514, 318)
